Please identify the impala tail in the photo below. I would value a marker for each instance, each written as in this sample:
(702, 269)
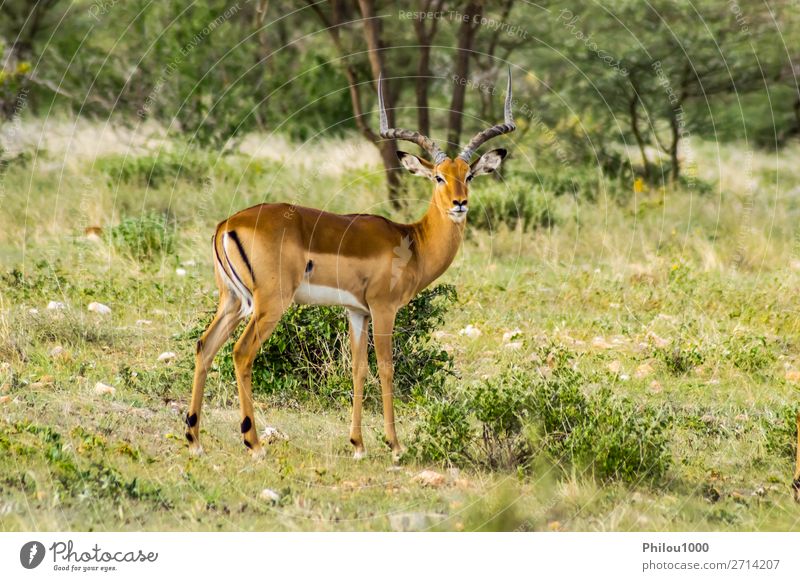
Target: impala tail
(234, 268)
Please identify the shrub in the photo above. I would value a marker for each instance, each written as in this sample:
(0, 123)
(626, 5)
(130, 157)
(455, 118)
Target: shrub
(443, 433)
(153, 171)
(750, 354)
(781, 431)
(502, 411)
(506, 422)
(680, 359)
(516, 202)
(303, 357)
(143, 238)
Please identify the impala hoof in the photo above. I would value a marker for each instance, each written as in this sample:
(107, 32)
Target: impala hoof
(258, 452)
(397, 455)
(359, 454)
(196, 450)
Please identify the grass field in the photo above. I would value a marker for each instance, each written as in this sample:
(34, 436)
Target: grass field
(680, 301)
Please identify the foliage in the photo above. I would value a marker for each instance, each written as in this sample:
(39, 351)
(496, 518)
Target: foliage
(305, 355)
(521, 414)
(145, 238)
(513, 203)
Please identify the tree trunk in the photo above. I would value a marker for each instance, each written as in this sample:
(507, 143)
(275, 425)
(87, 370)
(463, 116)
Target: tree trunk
(423, 78)
(466, 38)
(424, 38)
(674, 123)
(634, 120)
(387, 147)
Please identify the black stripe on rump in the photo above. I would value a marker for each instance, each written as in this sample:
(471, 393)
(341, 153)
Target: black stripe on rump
(235, 237)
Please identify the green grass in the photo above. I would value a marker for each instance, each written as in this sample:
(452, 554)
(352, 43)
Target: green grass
(671, 308)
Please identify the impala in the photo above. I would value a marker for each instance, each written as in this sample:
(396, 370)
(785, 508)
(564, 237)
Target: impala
(272, 255)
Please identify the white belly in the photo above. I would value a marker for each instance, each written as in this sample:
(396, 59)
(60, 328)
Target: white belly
(314, 294)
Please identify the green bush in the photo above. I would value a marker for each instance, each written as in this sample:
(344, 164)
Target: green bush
(680, 358)
(516, 202)
(153, 171)
(144, 238)
(750, 354)
(304, 356)
(443, 433)
(506, 422)
(780, 430)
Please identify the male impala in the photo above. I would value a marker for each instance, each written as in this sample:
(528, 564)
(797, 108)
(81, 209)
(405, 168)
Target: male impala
(272, 255)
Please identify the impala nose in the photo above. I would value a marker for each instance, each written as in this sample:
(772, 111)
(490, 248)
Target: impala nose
(461, 206)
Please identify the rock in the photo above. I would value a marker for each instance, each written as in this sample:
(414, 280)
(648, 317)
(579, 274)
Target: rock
(514, 345)
(655, 387)
(601, 343)
(99, 308)
(615, 367)
(271, 435)
(167, 356)
(793, 376)
(4, 399)
(414, 521)
(58, 352)
(269, 495)
(430, 478)
(659, 342)
(470, 331)
(644, 370)
(511, 335)
(56, 306)
(33, 311)
(180, 271)
(101, 388)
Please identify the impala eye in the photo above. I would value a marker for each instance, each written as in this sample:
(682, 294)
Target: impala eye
(440, 179)
(469, 178)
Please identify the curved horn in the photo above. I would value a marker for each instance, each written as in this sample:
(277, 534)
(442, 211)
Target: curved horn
(425, 143)
(507, 127)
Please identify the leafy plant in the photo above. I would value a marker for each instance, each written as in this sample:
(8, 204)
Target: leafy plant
(304, 356)
(144, 238)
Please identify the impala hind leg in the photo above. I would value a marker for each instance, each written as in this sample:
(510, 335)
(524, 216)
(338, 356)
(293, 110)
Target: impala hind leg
(214, 337)
(382, 329)
(255, 333)
(359, 333)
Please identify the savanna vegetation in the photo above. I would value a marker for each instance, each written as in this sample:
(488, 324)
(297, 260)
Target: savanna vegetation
(617, 346)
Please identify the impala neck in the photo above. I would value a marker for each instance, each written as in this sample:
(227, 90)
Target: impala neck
(438, 240)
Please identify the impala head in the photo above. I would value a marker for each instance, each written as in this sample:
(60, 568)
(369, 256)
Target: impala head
(452, 177)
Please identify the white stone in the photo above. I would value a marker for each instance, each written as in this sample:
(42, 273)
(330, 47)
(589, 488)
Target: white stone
(270, 495)
(56, 306)
(470, 331)
(180, 271)
(167, 356)
(101, 388)
(99, 308)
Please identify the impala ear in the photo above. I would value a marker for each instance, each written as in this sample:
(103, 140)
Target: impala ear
(417, 166)
(488, 162)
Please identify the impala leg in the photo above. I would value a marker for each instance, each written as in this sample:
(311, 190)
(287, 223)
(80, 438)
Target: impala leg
(359, 332)
(255, 333)
(220, 329)
(382, 329)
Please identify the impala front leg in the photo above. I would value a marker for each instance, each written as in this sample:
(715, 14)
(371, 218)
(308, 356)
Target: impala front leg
(382, 329)
(359, 333)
